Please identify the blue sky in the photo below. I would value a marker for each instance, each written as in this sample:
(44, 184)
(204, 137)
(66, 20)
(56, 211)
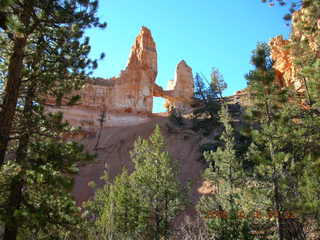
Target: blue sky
(204, 33)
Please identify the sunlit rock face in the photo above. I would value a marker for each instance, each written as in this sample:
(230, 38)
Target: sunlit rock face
(128, 99)
(179, 91)
(182, 88)
(287, 73)
(135, 84)
(283, 63)
(143, 55)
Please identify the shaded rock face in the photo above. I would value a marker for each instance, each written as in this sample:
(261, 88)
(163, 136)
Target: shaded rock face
(128, 98)
(287, 72)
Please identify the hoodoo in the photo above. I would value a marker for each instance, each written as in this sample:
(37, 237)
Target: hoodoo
(128, 99)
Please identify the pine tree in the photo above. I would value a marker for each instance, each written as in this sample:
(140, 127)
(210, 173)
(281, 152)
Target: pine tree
(208, 95)
(155, 176)
(304, 49)
(283, 140)
(304, 142)
(43, 40)
(227, 174)
(143, 204)
(121, 214)
(309, 199)
(265, 95)
(45, 54)
(217, 83)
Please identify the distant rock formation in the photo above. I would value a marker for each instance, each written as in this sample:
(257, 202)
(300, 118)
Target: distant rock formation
(128, 98)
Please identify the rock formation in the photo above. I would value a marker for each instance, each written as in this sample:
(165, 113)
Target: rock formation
(286, 70)
(128, 98)
(180, 89)
(283, 63)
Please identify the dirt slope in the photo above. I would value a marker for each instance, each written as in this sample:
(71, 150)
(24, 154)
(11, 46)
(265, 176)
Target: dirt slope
(113, 152)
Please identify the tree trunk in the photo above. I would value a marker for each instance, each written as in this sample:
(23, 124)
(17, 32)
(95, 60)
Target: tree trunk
(101, 121)
(11, 225)
(310, 102)
(11, 94)
(15, 197)
(277, 200)
(294, 230)
(157, 221)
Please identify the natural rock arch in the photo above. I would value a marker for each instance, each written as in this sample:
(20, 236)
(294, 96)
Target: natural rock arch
(128, 98)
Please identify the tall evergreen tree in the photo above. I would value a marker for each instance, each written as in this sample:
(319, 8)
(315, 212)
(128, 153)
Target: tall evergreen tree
(283, 140)
(42, 37)
(156, 177)
(304, 49)
(45, 54)
(265, 96)
(225, 207)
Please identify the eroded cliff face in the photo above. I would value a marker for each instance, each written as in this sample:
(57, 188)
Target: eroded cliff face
(128, 99)
(287, 73)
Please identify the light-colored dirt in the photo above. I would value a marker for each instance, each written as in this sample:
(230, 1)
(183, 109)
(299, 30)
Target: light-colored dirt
(113, 152)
